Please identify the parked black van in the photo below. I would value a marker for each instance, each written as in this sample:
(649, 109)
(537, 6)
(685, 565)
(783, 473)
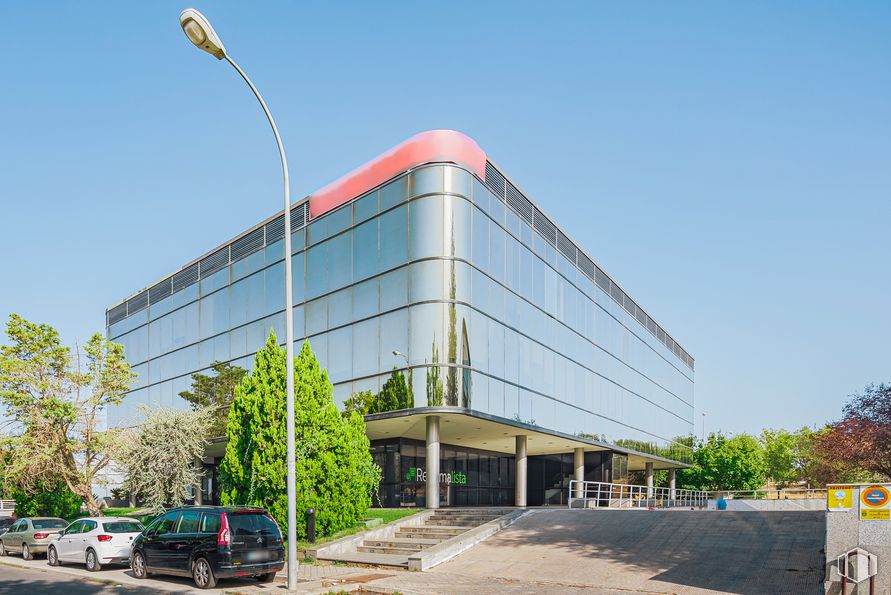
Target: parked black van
(210, 543)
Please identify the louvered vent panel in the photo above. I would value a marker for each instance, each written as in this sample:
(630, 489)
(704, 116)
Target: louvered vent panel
(275, 230)
(247, 244)
(641, 317)
(629, 305)
(587, 266)
(298, 217)
(117, 314)
(214, 262)
(660, 334)
(494, 180)
(602, 280)
(135, 304)
(519, 203)
(160, 291)
(545, 228)
(617, 293)
(652, 326)
(566, 246)
(692, 362)
(185, 277)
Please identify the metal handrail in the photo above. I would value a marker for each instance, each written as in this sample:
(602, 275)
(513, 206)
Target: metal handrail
(7, 507)
(598, 494)
(775, 494)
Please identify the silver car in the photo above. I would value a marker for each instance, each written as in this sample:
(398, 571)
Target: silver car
(31, 536)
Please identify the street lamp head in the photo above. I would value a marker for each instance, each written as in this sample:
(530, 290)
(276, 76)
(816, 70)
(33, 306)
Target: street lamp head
(197, 28)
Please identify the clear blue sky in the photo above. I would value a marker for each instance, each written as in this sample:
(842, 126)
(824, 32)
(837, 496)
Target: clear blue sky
(728, 163)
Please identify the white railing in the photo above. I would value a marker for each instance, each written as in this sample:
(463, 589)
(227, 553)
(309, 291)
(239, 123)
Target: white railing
(776, 494)
(7, 507)
(597, 494)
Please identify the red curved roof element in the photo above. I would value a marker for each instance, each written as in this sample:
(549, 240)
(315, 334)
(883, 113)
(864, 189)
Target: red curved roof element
(426, 147)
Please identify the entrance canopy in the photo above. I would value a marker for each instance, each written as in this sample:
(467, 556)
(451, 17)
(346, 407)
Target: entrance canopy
(473, 429)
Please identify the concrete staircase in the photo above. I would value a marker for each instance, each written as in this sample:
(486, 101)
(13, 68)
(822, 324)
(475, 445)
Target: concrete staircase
(442, 525)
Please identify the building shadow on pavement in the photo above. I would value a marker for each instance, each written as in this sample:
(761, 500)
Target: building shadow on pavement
(747, 553)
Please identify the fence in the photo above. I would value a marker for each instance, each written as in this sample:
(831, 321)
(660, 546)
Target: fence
(597, 494)
(778, 494)
(7, 507)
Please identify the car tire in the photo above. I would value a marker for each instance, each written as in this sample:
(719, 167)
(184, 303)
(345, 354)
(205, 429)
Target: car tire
(137, 565)
(202, 574)
(26, 552)
(267, 578)
(52, 557)
(92, 560)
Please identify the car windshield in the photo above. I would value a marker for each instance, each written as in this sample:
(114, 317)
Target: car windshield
(122, 527)
(252, 524)
(49, 524)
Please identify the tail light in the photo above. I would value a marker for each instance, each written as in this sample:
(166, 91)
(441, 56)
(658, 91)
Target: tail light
(41, 535)
(105, 538)
(224, 535)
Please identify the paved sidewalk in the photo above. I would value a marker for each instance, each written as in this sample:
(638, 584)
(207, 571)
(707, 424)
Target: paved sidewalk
(313, 580)
(638, 551)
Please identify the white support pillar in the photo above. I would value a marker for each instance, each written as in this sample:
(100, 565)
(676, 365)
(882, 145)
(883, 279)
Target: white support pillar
(649, 473)
(432, 461)
(672, 483)
(520, 475)
(578, 460)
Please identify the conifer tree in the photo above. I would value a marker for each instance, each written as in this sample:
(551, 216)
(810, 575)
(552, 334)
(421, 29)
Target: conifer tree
(335, 473)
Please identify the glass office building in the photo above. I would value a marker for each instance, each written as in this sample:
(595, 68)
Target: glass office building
(430, 261)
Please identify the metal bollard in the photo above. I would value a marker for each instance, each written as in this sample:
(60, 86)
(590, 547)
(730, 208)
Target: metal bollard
(311, 525)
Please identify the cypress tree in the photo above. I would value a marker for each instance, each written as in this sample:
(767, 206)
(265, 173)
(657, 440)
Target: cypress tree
(335, 473)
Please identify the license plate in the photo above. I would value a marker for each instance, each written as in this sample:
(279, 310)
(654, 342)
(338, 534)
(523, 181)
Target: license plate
(256, 555)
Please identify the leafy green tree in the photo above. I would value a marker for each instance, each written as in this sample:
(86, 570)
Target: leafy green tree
(159, 457)
(780, 449)
(215, 392)
(46, 500)
(395, 393)
(363, 402)
(335, 473)
(56, 397)
(722, 463)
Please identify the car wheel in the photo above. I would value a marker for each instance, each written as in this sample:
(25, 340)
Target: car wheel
(267, 578)
(93, 564)
(26, 552)
(202, 574)
(52, 557)
(137, 565)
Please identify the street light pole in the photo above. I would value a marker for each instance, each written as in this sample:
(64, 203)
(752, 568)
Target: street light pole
(199, 31)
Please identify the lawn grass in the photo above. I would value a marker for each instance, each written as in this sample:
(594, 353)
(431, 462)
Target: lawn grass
(387, 515)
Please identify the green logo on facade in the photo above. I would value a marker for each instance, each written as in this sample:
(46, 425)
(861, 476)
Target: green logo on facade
(453, 477)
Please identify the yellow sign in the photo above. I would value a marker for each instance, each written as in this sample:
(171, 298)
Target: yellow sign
(839, 498)
(875, 515)
(875, 503)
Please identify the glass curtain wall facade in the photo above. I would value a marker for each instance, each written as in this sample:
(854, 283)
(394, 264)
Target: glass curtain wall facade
(432, 265)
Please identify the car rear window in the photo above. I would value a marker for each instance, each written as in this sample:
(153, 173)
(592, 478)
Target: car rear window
(252, 524)
(49, 524)
(122, 527)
